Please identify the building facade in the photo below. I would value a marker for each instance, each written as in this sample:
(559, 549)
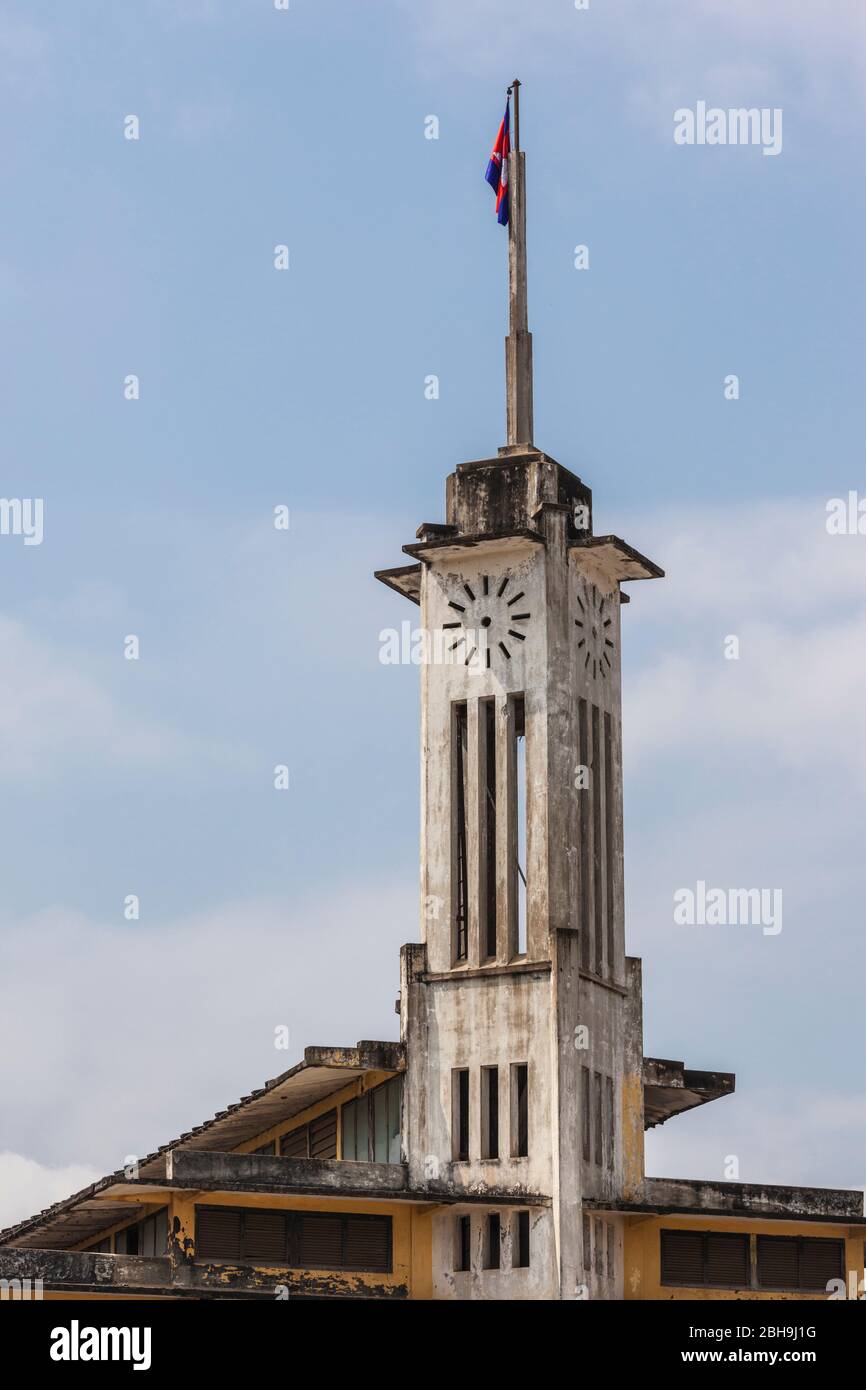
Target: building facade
(495, 1150)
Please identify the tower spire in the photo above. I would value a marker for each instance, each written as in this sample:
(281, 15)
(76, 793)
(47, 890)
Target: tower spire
(518, 344)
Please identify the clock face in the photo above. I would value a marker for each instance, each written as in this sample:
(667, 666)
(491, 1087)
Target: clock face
(490, 618)
(594, 627)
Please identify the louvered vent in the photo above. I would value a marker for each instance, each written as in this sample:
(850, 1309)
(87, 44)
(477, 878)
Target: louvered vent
(217, 1234)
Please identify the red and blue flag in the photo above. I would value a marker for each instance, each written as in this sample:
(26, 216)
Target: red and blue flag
(497, 168)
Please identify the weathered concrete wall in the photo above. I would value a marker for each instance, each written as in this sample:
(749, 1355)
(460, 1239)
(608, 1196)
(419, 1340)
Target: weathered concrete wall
(579, 1009)
(538, 1281)
(473, 1024)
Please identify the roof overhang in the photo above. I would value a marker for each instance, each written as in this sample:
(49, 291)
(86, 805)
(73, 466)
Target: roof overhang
(456, 547)
(756, 1201)
(113, 1200)
(405, 580)
(612, 561)
(670, 1088)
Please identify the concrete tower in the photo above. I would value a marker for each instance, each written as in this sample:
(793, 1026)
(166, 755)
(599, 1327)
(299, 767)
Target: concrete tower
(519, 1010)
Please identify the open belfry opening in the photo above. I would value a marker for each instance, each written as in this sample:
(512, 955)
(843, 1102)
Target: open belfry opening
(496, 1149)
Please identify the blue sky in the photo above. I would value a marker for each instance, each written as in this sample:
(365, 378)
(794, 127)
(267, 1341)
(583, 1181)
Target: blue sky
(155, 257)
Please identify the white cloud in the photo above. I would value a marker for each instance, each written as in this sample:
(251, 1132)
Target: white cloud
(27, 1187)
(147, 1029)
(795, 598)
(802, 1137)
(54, 710)
(727, 51)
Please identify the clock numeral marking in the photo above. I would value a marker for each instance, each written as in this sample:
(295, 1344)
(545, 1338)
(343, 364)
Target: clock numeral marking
(503, 586)
(520, 617)
(505, 652)
(516, 597)
(457, 606)
(521, 636)
(469, 591)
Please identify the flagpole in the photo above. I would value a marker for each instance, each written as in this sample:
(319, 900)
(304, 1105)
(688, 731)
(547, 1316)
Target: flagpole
(518, 344)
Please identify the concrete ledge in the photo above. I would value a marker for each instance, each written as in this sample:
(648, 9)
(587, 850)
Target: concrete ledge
(366, 1056)
(84, 1268)
(681, 1197)
(76, 1271)
(200, 1168)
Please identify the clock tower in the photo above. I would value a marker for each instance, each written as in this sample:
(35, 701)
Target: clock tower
(520, 1011)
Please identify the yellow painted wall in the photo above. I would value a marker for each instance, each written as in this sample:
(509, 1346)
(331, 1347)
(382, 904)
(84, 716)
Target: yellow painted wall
(642, 1254)
(409, 1263)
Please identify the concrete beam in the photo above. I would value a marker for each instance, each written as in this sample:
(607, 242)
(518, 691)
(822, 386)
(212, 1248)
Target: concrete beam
(84, 1269)
(198, 1168)
(678, 1196)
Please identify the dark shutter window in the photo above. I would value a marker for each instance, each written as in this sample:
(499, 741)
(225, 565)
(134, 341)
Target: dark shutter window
(217, 1233)
(318, 1139)
(323, 1136)
(682, 1257)
(264, 1237)
(320, 1241)
(294, 1145)
(799, 1262)
(692, 1258)
(368, 1243)
(820, 1261)
(727, 1260)
(302, 1240)
(777, 1263)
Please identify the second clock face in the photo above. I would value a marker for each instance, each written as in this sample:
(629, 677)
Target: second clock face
(594, 626)
(491, 614)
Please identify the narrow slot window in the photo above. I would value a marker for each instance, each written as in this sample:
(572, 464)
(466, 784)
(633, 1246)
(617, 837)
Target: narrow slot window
(488, 820)
(463, 1250)
(584, 817)
(519, 1110)
(492, 1241)
(489, 1112)
(609, 844)
(599, 1233)
(597, 875)
(461, 867)
(598, 1123)
(586, 1113)
(520, 1241)
(611, 1124)
(460, 1114)
(520, 789)
(587, 1243)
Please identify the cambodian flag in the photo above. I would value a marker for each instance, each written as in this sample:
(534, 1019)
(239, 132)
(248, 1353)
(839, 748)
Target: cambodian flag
(497, 169)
